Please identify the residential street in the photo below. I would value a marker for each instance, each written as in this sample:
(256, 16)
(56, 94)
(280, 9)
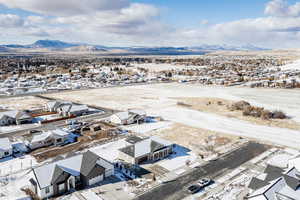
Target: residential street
(176, 190)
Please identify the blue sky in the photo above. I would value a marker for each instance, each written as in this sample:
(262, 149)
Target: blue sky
(271, 23)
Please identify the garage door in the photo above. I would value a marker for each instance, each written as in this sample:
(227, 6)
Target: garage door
(95, 180)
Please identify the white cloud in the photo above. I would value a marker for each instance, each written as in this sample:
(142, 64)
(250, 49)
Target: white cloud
(10, 21)
(281, 8)
(65, 7)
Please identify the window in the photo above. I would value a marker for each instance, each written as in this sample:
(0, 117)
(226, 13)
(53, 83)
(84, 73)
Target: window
(59, 140)
(47, 190)
(6, 153)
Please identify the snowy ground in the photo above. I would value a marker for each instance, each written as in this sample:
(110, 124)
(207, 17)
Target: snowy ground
(161, 67)
(179, 159)
(159, 96)
(285, 137)
(293, 65)
(11, 165)
(148, 127)
(7, 129)
(159, 100)
(10, 186)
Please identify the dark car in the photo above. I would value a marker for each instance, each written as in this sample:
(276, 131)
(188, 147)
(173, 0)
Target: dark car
(194, 189)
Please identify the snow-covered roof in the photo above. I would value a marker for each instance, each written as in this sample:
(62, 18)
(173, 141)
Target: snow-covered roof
(161, 141)
(123, 115)
(60, 132)
(12, 114)
(41, 137)
(143, 147)
(44, 173)
(5, 144)
(75, 108)
(137, 111)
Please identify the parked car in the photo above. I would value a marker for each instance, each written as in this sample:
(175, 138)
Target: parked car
(194, 189)
(204, 182)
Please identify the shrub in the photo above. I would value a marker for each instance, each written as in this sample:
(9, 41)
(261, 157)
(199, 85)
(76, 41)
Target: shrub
(266, 114)
(240, 105)
(279, 115)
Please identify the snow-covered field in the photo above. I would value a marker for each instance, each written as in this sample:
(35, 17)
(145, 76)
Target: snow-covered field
(232, 126)
(161, 67)
(11, 165)
(10, 186)
(7, 129)
(293, 65)
(159, 100)
(148, 127)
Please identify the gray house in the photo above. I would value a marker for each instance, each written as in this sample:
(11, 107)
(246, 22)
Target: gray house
(139, 150)
(63, 176)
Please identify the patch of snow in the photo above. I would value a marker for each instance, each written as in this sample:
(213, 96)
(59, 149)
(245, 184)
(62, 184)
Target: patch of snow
(281, 136)
(179, 159)
(147, 127)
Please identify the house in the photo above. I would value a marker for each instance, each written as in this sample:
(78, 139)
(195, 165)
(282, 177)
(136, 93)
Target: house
(275, 184)
(139, 150)
(76, 110)
(128, 117)
(5, 148)
(54, 106)
(54, 137)
(14, 117)
(65, 175)
(66, 108)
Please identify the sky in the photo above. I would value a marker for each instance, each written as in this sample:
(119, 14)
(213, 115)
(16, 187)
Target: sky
(263, 23)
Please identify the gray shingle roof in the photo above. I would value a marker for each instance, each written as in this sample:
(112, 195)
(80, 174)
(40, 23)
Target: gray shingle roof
(291, 182)
(256, 183)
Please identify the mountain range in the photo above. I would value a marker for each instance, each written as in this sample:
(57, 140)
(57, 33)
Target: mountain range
(45, 46)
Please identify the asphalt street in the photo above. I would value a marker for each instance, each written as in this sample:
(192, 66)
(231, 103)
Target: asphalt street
(177, 189)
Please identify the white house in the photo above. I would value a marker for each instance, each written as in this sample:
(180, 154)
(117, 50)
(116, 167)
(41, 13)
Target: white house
(14, 117)
(63, 176)
(5, 148)
(139, 150)
(128, 117)
(54, 137)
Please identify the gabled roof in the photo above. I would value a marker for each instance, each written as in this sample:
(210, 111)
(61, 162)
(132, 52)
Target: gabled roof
(145, 146)
(89, 160)
(292, 182)
(122, 115)
(256, 183)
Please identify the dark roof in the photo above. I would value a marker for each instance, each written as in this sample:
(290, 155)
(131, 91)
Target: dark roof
(59, 175)
(133, 139)
(96, 171)
(32, 181)
(273, 173)
(291, 182)
(89, 160)
(256, 183)
(156, 146)
(271, 168)
(129, 150)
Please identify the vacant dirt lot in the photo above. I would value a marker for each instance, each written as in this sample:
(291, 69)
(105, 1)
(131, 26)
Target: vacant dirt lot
(220, 106)
(195, 138)
(22, 103)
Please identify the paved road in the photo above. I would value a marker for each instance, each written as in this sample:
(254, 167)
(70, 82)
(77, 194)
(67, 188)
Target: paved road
(176, 190)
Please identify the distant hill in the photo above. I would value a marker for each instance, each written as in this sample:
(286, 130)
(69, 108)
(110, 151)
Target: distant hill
(4, 49)
(57, 45)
